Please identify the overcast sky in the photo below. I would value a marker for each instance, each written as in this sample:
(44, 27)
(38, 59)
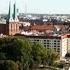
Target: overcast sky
(38, 6)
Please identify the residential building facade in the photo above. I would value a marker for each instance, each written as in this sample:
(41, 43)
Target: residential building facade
(60, 44)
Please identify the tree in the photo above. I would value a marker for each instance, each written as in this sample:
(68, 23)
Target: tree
(25, 53)
(2, 56)
(39, 54)
(9, 65)
(16, 49)
(51, 56)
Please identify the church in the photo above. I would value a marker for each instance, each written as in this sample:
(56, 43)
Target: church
(11, 27)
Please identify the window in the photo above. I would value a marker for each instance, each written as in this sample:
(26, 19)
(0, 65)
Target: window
(54, 49)
(34, 40)
(44, 40)
(47, 40)
(11, 27)
(58, 41)
(54, 40)
(54, 46)
(58, 50)
(54, 43)
(44, 45)
(58, 46)
(47, 45)
(37, 40)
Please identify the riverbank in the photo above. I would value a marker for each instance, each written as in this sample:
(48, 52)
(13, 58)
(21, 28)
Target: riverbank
(46, 68)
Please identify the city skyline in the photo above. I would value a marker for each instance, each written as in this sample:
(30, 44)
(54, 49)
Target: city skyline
(37, 6)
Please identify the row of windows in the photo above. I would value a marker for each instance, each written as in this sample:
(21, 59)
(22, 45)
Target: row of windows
(53, 40)
(51, 46)
(48, 43)
(53, 43)
(55, 49)
(47, 40)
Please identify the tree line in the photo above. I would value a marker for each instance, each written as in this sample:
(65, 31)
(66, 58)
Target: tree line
(18, 53)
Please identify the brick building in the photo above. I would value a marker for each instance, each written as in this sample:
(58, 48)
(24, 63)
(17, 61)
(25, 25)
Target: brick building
(11, 27)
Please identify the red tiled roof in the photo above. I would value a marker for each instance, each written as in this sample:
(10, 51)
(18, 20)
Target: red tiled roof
(67, 35)
(42, 27)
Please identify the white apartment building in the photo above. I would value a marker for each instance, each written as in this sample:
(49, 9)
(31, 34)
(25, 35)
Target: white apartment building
(52, 42)
(65, 44)
(60, 44)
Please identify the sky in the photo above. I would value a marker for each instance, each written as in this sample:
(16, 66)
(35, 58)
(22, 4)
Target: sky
(38, 6)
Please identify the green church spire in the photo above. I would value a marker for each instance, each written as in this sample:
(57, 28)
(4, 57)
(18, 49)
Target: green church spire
(10, 12)
(14, 12)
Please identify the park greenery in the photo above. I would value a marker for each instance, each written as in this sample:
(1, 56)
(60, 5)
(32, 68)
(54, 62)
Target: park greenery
(18, 53)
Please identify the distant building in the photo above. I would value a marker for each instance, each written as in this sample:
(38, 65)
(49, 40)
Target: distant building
(43, 27)
(11, 26)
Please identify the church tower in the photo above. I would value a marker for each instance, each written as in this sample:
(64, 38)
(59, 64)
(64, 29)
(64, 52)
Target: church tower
(15, 13)
(10, 13)
(12, 25)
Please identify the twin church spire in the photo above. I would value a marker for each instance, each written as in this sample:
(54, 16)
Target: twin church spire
(12, 16)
